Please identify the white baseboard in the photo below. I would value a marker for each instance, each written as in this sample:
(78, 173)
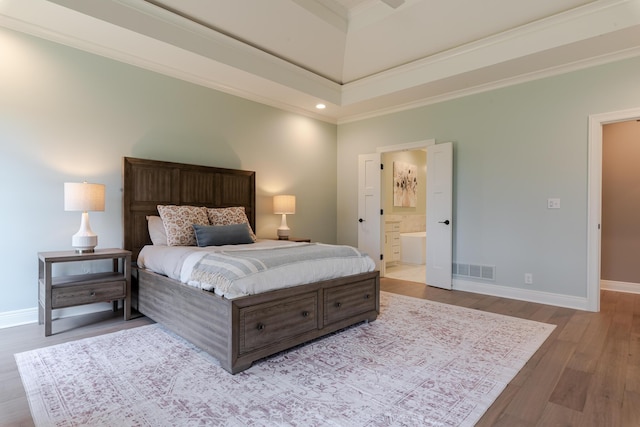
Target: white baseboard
(559, 300)
(30, 315)
(611, 285)
(9, 319)
(18, 317)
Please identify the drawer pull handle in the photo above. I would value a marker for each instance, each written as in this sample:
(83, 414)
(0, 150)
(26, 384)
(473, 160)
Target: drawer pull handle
(305, 313)
(92, 293)
(261, 326)
(338, 304)
(367, 296)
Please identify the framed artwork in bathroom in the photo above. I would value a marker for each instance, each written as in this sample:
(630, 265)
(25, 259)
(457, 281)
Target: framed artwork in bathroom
(405, 184)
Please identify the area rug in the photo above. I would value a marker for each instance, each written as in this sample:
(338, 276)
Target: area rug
(420, 364)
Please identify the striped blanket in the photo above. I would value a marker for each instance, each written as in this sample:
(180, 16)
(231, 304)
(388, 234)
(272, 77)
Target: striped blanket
(245, 272)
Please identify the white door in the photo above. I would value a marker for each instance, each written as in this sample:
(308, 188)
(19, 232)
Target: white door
(439, 214)
(369, 223)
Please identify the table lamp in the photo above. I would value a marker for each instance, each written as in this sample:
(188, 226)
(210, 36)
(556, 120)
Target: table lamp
(284, 204)
(84, 197)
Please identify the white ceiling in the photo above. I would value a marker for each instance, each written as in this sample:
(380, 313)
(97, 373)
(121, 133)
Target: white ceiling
(359, 57)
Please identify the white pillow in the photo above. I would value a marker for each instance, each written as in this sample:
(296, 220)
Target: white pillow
(156, 231)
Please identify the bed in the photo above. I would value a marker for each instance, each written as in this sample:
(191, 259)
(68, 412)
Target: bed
(236, 331)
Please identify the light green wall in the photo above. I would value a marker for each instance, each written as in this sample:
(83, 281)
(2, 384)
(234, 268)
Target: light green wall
(66, 115)
(513, 148)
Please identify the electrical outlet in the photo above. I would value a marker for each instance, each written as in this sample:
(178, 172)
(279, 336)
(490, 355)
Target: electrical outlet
(553, 203)
(528, 279)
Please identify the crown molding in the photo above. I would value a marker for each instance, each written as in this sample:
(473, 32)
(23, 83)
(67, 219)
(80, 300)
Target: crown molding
(499, 84)
(586, 22)
(139, 33)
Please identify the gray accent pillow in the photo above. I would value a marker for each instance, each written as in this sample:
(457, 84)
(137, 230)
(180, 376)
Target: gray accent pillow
(218, 235)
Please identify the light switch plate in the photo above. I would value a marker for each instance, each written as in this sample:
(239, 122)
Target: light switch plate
(553, 203)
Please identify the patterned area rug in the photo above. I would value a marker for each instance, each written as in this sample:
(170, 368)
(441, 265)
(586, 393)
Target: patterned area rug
(421, 363)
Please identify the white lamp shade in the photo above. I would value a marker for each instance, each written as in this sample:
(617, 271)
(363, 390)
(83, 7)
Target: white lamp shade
(284, 204)
(83, 197)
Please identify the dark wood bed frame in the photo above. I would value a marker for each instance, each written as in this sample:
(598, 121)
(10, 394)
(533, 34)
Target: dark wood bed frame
(240, 331)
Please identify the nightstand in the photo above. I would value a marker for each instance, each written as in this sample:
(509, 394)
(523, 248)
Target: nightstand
(78, 289)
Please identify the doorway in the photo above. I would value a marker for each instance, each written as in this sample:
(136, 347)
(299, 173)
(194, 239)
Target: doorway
(404, 201)
(620, 235)
(438, 254)
(594, 214)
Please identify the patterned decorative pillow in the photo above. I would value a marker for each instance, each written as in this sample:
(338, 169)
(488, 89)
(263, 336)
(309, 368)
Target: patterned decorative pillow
(178, 222)
(228, 216)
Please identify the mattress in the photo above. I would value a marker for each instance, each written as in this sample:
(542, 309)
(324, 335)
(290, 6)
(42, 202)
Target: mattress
(234, 271)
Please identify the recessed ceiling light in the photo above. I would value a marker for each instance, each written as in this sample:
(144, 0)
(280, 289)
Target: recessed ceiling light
(321, 106)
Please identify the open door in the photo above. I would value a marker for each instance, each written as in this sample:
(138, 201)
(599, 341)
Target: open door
(369, 223)
(439, 214)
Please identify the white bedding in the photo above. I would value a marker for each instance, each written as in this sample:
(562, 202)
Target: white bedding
(178, 262)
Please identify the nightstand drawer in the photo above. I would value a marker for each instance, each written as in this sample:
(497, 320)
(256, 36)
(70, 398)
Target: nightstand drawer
(67, 296)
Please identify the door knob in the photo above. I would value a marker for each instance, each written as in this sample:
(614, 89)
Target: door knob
(360, 220)
(445, 222)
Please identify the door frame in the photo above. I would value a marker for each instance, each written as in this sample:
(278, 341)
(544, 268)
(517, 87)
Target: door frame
(417, 145)
(594, 198)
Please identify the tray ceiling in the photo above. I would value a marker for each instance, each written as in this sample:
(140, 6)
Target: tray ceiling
(359, 57)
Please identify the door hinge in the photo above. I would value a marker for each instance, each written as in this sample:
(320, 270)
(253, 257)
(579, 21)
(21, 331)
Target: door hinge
(381, 166)
(381, 211)
(381, 257)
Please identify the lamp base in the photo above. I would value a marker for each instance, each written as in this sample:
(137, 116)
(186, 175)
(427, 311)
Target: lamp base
(85, 240)
(283, 230)
(85, 251)
(283, 234)
(84, 244)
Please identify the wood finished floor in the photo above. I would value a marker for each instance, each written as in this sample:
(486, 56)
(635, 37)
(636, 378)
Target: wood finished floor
(586, 374)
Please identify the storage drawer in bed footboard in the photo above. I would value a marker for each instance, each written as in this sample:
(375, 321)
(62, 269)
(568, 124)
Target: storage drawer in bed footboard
(342, 302)
(268, 323)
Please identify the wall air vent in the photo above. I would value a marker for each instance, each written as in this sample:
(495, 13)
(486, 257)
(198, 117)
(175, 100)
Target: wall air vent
(478, 271)
(488, 272)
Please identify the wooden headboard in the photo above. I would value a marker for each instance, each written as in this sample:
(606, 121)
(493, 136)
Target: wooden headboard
(148, 183)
